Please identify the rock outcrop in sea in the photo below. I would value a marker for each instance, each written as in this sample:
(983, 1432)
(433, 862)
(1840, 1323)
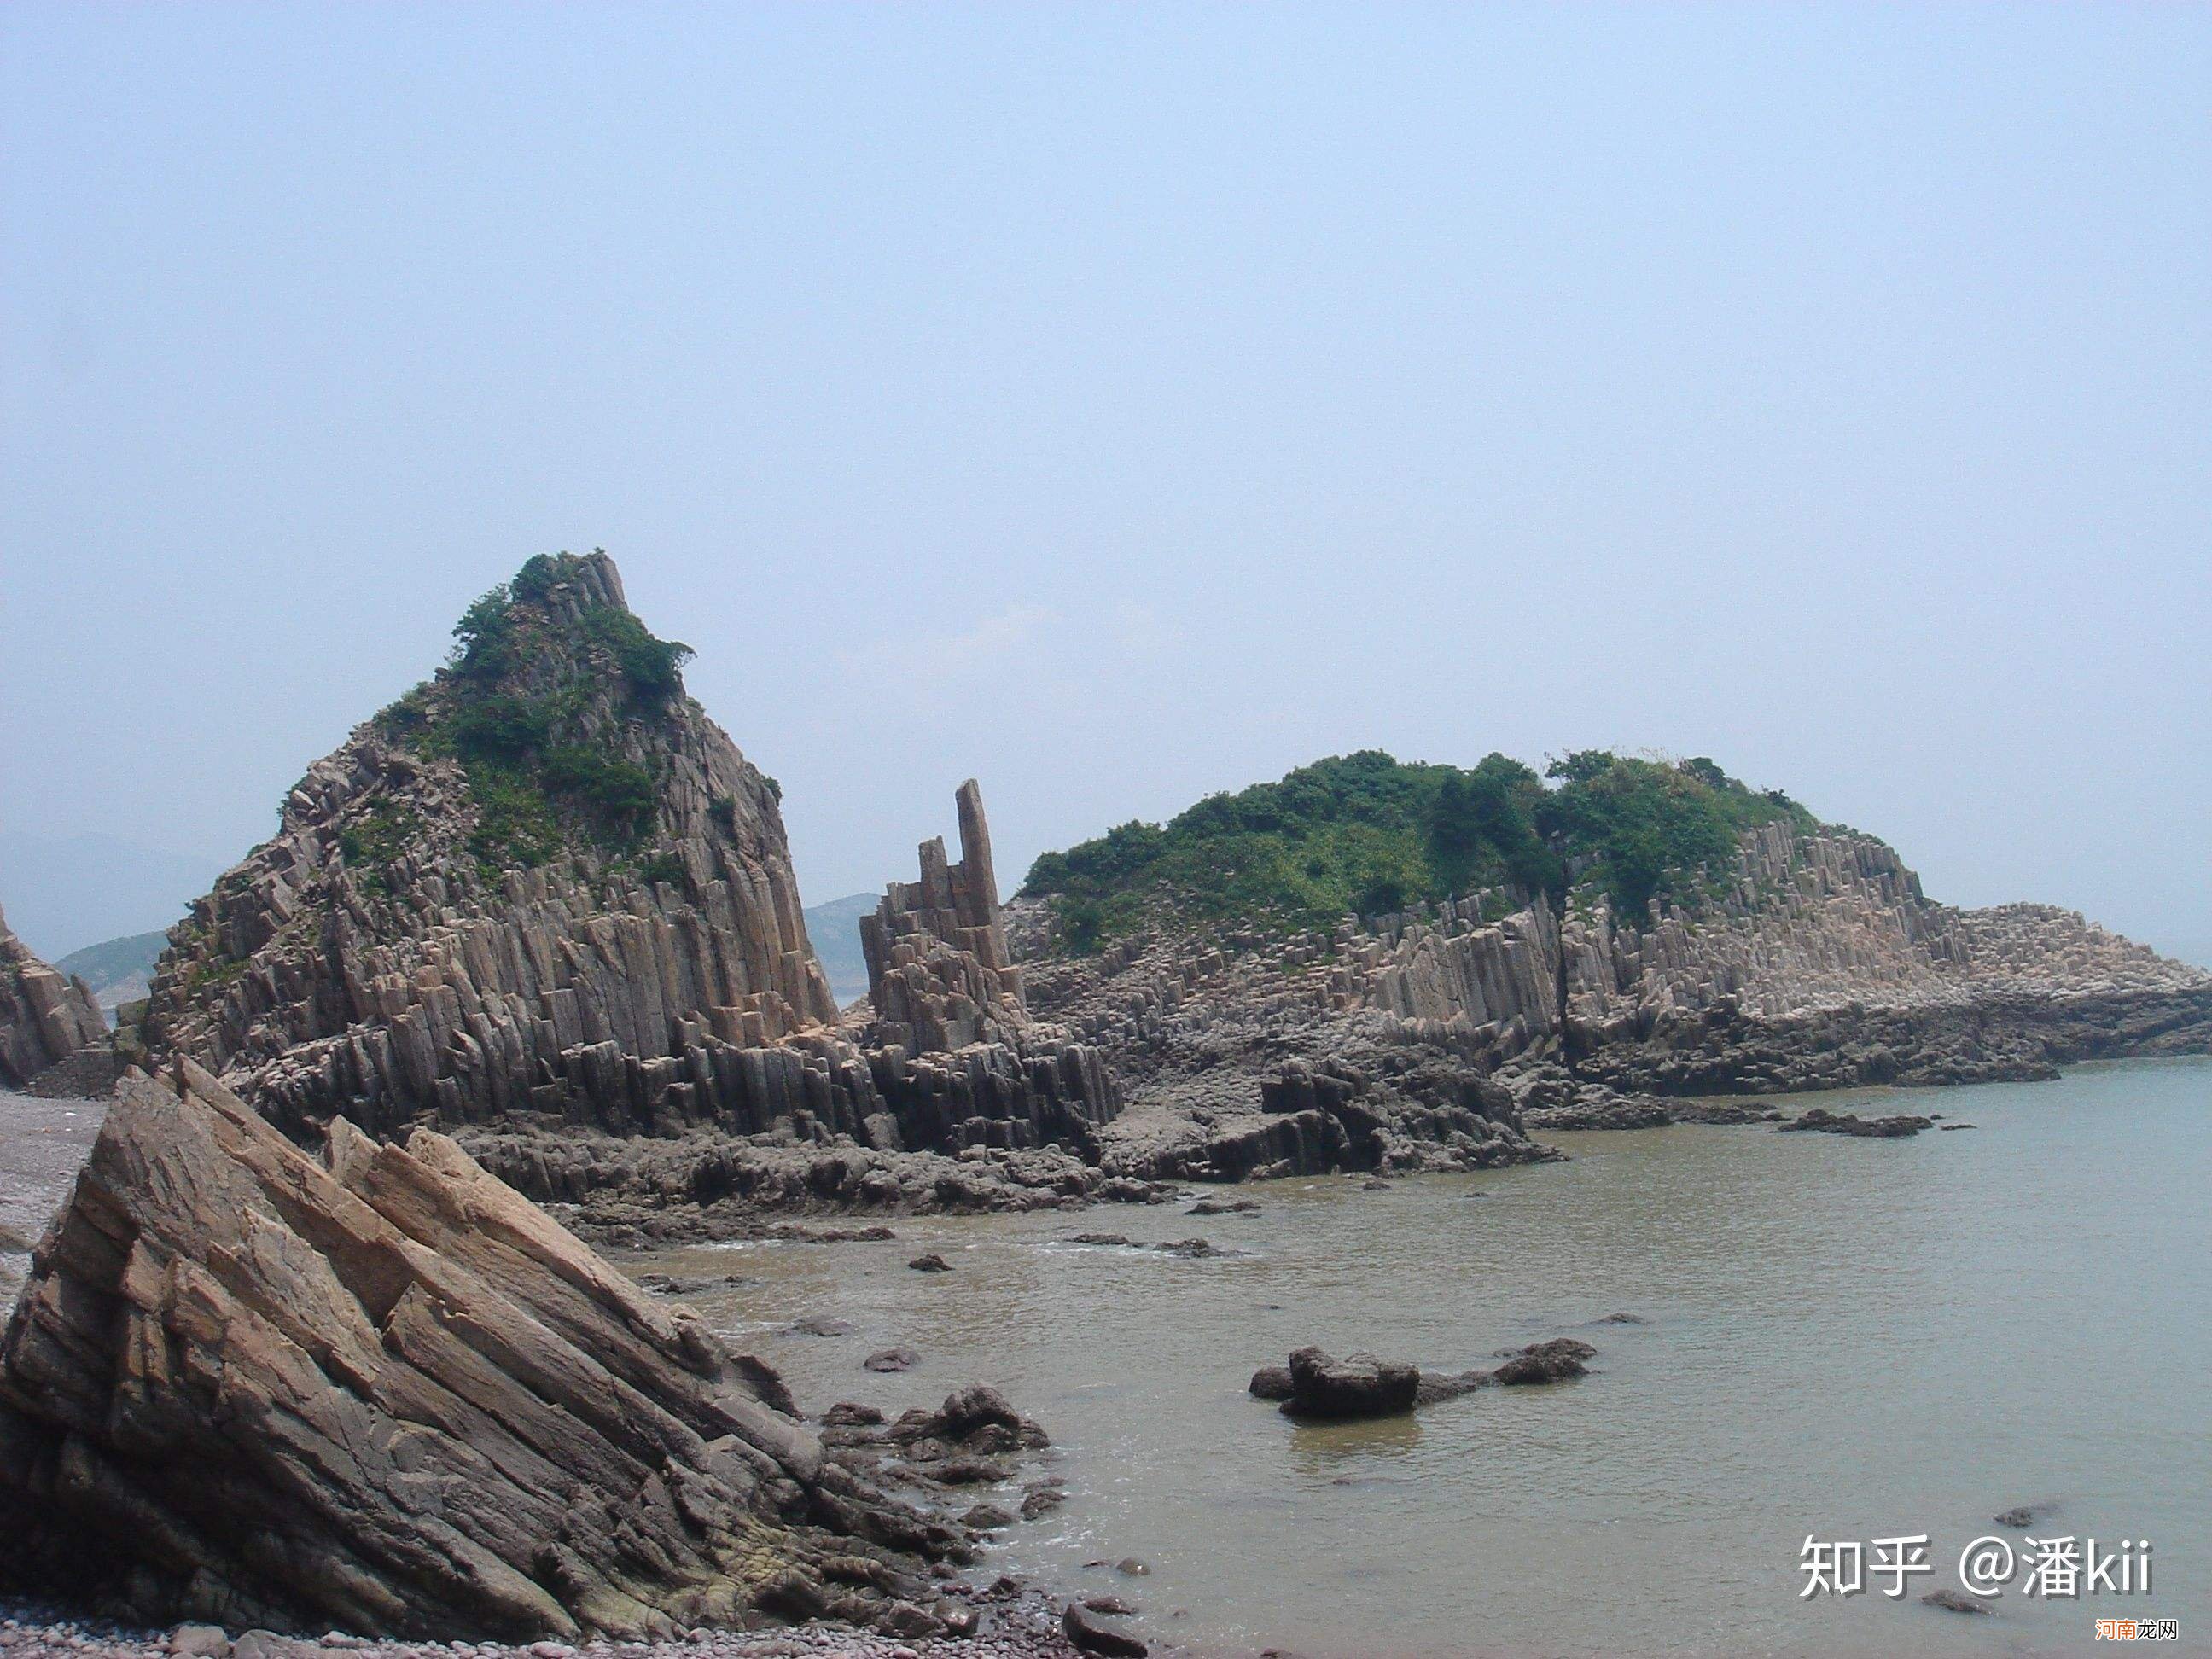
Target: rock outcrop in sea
(52, 1035)
(1448, 1032)
(379, 1391)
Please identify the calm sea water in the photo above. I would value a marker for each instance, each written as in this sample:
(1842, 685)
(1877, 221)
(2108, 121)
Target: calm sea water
(1845, 1338)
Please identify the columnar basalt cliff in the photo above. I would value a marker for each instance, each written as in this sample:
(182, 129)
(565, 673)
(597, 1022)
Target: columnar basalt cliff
(939, 976)
(379, 1391)
(543, 880)
(1793, 956)
(1819, 963)
(544, 892)
(959, 1102)
(1242, 1056)
(46, 1020)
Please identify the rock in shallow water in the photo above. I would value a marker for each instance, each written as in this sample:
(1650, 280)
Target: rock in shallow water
(1271, 1382)
(1090, 1631)
(1545, 1362)
(1358, 1386)
(1849, 1124)
(1952, 1600)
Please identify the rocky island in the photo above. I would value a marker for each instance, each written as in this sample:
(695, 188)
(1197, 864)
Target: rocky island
(542, 903)
(1298, 977)
(304, 1349)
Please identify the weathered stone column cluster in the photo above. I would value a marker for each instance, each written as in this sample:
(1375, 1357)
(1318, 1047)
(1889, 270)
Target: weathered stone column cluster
(939, 974)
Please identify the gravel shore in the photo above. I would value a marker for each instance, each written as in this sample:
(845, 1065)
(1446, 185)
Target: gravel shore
(43, 1144)
(1018, 1623)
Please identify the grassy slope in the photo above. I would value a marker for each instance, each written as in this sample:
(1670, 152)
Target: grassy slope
(531, 705)
(1370, 834)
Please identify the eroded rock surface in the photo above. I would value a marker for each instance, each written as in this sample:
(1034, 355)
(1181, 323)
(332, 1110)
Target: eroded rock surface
(380, 1391)
(1446, 1036)
(543, 897)
(45, 1018)
(1358, 1386)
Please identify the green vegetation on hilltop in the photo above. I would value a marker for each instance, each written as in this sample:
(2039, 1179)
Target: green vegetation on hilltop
(532, 703)
(1370, 834)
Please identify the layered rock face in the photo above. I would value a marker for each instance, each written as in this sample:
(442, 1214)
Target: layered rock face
(380, 1391)
(45, 1018)
(1818, 963)
(957, 1067)
(543, 901)
(939, 976)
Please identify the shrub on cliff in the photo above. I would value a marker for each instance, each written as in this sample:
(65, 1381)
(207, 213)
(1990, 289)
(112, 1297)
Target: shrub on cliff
(533, 703)
(1369, 834)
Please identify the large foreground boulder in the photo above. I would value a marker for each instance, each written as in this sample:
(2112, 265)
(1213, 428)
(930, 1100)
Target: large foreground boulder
(382, 1391)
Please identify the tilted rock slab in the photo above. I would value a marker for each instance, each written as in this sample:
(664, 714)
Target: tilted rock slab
(381, 1392)
(45, 1016)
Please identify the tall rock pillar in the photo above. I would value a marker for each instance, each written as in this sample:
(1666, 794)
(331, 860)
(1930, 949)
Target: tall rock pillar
(938, 970)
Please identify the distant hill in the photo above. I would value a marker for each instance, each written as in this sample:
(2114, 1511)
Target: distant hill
(1370, 835)
(118, 970)
(66, 893)
(835, 929)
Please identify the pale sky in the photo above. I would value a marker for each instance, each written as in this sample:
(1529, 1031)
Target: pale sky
(1120, 404)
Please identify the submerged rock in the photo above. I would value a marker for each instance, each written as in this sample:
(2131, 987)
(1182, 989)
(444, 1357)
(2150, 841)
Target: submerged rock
(382, 1391)
(1824, 1122)
(1952, 1600)
(931, 1263)
(1554, 1361)
(1090, 1631)
(1218, 1207)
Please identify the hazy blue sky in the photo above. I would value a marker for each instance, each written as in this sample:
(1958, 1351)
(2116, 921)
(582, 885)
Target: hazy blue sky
(1121, 404)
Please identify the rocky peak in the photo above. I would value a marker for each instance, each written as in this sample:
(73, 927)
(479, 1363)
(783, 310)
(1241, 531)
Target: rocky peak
(546, 847)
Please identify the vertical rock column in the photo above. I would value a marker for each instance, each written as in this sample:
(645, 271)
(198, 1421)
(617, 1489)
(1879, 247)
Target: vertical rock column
(938, 970)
